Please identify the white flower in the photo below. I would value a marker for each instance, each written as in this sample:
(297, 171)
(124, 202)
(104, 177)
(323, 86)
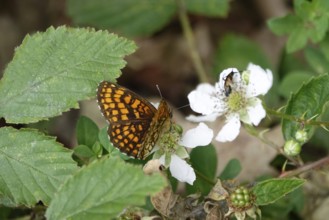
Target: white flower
(234, 96)
(173, 156)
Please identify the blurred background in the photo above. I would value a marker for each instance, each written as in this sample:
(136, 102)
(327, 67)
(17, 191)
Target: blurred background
(226, 34)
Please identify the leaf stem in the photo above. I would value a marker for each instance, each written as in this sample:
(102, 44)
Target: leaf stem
(296, 119)
(315, 165)
(185, 23)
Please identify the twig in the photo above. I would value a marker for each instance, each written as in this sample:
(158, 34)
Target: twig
(306, 168)
(191, 41)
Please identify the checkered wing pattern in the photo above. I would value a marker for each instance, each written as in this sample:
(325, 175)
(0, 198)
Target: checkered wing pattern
(134, 123)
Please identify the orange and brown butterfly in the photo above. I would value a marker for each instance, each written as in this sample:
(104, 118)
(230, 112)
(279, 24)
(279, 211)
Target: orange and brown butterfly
(135, 125)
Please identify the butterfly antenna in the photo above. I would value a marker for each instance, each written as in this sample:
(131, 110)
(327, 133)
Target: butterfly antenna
(183, 106)
(159, 91)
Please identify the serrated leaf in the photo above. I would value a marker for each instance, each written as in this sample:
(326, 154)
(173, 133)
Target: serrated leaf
(213, 8)
(52, 71)
(102, 190)
(271, 190)
(87, 131)
(308, 102)
(231, 170)
(310, 21)
(32, 166)
(129, 17)
(204, 160)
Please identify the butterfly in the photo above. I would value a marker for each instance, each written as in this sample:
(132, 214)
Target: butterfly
(135, 125)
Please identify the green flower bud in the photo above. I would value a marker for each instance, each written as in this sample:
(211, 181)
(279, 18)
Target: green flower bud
(292, 148)
(301, 136)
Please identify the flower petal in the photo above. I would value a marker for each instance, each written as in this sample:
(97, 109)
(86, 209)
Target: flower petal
(194, 118)
(256, 112)
(260, 80)
(181, 170)
(199, 136)
(230, 130)
(202, 99)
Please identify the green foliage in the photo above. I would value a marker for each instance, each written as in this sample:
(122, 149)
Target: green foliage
(231, 170)
(271, 190)
(292, 82)
(87, 131)
(102, 190)
(308, 103)
(52, 71)
(33, 166)
(310, 21)
(213, 8)
(129, 17)
(229, 54)
(204, 161)
(281, 208)
(317, 60)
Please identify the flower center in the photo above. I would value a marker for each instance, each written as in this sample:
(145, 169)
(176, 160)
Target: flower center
(168, 140)
(236, 101)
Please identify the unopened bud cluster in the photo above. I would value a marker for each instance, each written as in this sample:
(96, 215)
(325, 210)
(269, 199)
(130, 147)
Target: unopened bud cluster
(241, 198)
(293, 147)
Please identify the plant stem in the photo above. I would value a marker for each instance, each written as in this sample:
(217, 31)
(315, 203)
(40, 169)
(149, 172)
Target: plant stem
(293, 118)
(191, 41)
(306, 168)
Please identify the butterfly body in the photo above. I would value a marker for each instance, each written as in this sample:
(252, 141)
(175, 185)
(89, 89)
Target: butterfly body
(135, 125)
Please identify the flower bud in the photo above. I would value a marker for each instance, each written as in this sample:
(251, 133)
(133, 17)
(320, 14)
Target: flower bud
(292, 148)
(301, 136)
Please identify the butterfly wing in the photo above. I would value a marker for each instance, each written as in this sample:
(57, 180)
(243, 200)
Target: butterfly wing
(129, 115)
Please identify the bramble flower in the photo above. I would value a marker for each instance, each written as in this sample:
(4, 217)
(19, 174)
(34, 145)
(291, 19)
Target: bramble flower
(235, 97)
(171, 150)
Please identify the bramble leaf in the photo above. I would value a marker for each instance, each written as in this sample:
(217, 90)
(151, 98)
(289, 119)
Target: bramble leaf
(52, 71)
(307, 103)
(128, 17)
(102, 190)
(271, 190)
(33, 167)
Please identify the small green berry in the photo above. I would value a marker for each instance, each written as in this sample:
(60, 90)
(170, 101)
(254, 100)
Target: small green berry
(292, 148)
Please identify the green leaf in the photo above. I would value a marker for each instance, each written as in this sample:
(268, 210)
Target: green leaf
(281, 208)
(102, 190)
(269, 191)
(317, 60)
(33, 166)
(231, 170)
(308, 102)
(204, 161)
(283, 25)
(213, 8)
(129, 17)
(237, 51)
(87, 131)
(83, 151)
(292, 82)
(52, 71)
(310, 21)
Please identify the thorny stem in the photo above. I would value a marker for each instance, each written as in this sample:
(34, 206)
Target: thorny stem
(251, 130)
(306, 168)
(191, 41)
(296, 119)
